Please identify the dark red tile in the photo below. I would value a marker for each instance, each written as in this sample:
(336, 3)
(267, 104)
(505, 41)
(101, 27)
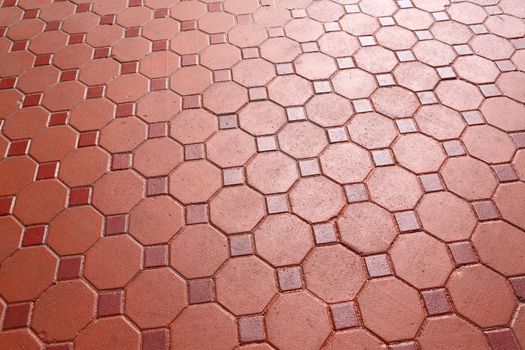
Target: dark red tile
(17, 316)
(110, 303)
(69, 267)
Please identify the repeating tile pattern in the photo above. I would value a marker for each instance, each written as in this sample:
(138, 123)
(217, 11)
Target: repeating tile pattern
(262, 174)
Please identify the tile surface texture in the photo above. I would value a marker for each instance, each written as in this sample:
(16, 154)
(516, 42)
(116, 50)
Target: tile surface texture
(262, 174)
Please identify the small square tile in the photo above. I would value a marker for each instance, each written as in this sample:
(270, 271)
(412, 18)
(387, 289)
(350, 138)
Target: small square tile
(332, 27)
(155, 256)
(189, 60)
(222, 75)
(505, 65)
(454, 148)
(79, 196)
(387, 21)
(68, 75)
(159, 84)
(266, 143)
(431, 183)
(95, 91)
(284, 68)
(132, 32)
(116, 224)
(228, 121)
(446, 73)
(344, 316)
(299, 13)
(463, 50)
(295, 114)
(196, 214)
(69, 268)
(406, 125)
(325, 233)
(157, 130)
(309, 167)
(241, 244)
(87, 139)
(493, 10)
(77, 39)
(214, 7)
(377, 265)
(424, 35)
(479, 29)
(276, 204)
(405, 4)
(18, 148)
(386, 79)
(47, 171)
(407, 221)
(405, 56)
(463, 253)
(518, 43)
(62, 346)
(367, 40)
(201, 290)
(518, 283)
(217, 38)
(436, 301)
(195, 151)
(101, 52)
(352, 8)
(502, 339)
(275, 32)
(121, 161)
(519, 139)
(383, 157)
(192, 101)
(310, 47)
(356, 193)
(257, 94)
(233, 176)
(345, 62)
(7, 83)
(505, 172)
(440, 16)
(17, 316)
(337, 135)
(125, 110)
(34, 235)
(188, 25)
(362, 106)
(473, 117)
(409, 345)
(290, 278)
(251, 329)
(155, 339)
(489, 90)
(110, 303)
(57, 119)
(322, 87)
(250, 52)
(485, 210)
(6, 205)
(427, 97)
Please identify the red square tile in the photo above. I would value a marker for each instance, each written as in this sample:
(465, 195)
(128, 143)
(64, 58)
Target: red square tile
(505, 172)
(87, 139)
(32, 100)
(519, 139)
(161, 13)
(59, 118)
(132, 32)
(377, 265)
(189, 60)
(356, 193)
(124, 110)
(344, 316)
(6, 205)
(159, 84)
(33, 13)
(436, 301)
(18, 148)
(76, 39)
(196, 214)
(34, 235)
(101, 52)
(411, 345)
(157, 130)
(407, 221)
(47, 171)
(84, 7)
(290, 278)
(79, 196)
(155, 256)
(116, 224)
(17, 316)
(431, 183)
(454, 148)
(502, 339)
(217, 38)
(107, 19)
(160, 45)
(188, 25)
(7, 83)
(463, 253)
(42, 60)
(222, 75)
(133, 3)
(128, 67)
(244, 19)
(518, 283)
(192, 101)
(121, 161)
(69, 268)
(241, 244)
(201, 290)
(62, 346)
(157, 186)
(53, 25)
(485, 210)
(95, 91)
(68, 75)
(19, 46)
(192, 152)
(251, 329)
(325, 233)
(214, 7)
(155, 339)
(110, 303)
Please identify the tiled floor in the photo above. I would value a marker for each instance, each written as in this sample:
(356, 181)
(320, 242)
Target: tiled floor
(262, 174)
